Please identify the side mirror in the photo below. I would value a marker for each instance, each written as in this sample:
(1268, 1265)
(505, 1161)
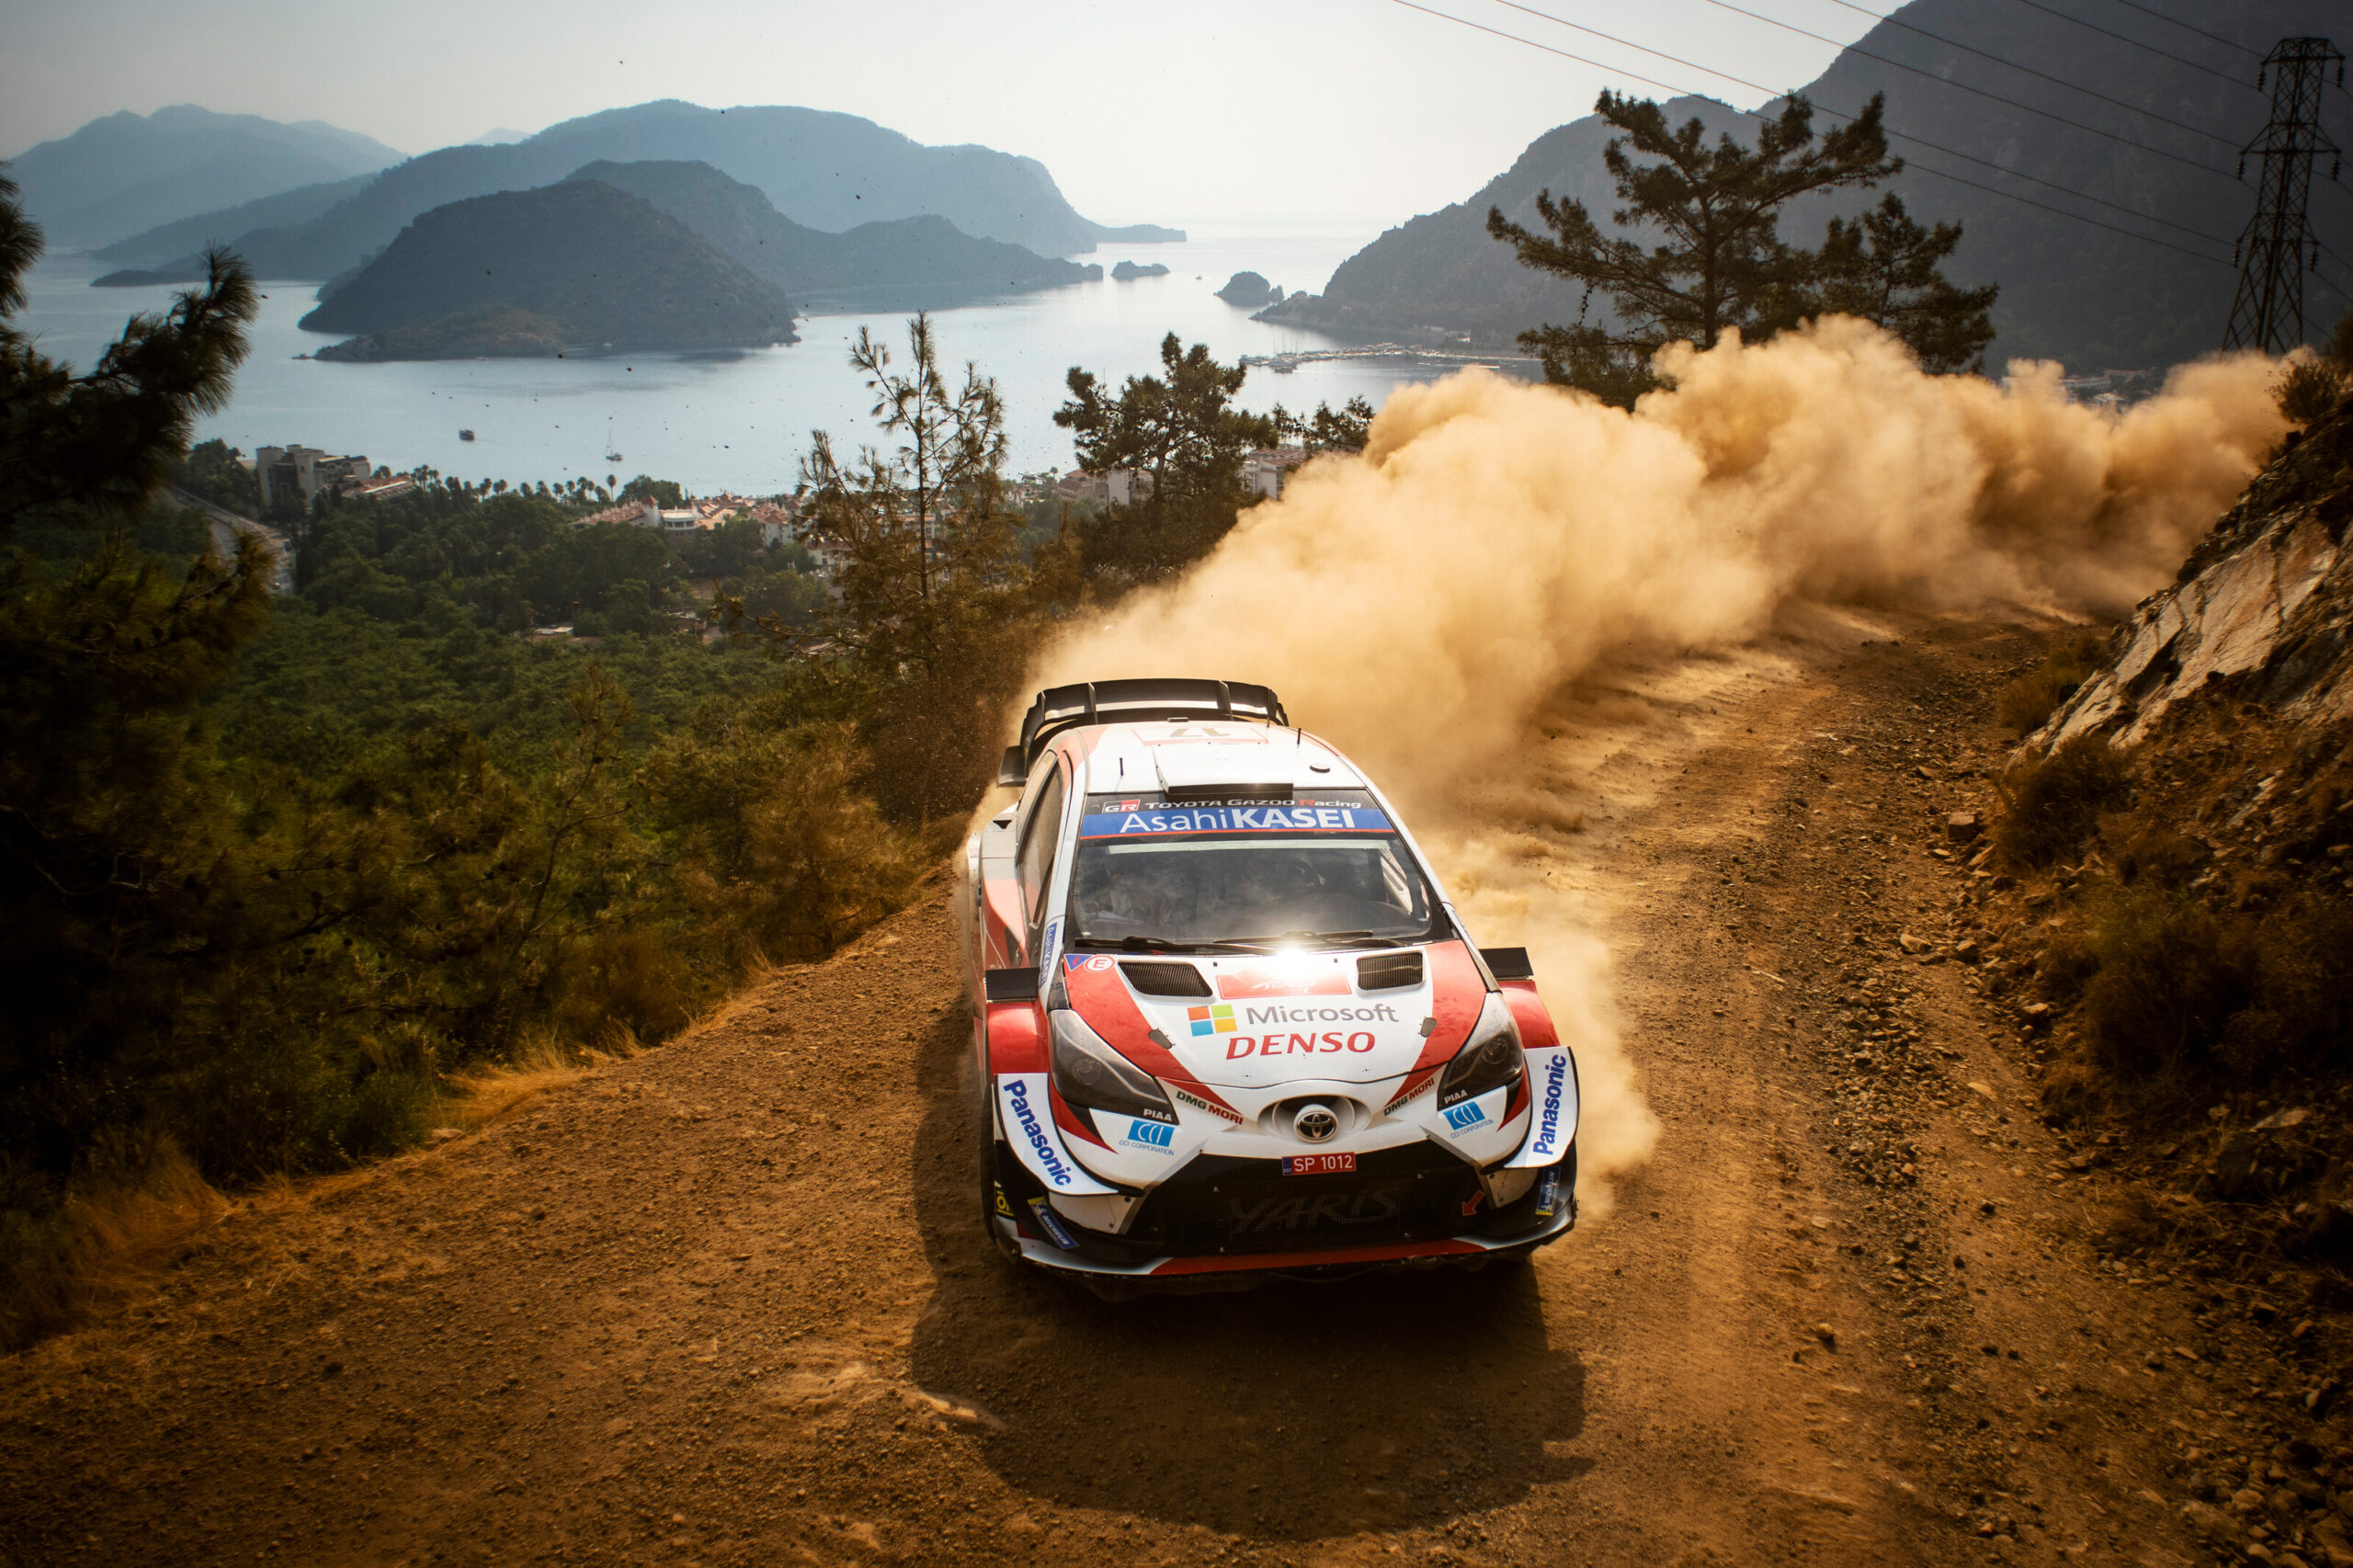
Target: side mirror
(1010, 774)
(1011, 985)
(1508, 963)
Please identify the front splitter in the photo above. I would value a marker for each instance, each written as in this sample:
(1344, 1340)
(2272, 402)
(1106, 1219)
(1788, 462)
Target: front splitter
(1045, 1255)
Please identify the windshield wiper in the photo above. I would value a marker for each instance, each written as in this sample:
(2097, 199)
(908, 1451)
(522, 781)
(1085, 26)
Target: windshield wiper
(1162, 945)
(1326, 940)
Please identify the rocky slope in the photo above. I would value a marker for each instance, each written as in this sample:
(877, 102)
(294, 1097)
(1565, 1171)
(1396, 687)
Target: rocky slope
(2263, 611)
(2165, 908)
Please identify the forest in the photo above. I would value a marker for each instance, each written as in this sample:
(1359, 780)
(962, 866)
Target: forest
(286, 867)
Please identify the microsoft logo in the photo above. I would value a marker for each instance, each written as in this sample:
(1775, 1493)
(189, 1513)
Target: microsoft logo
(1214, 1020)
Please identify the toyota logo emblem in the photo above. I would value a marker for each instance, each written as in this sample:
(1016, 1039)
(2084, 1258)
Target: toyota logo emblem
(1315, 1123)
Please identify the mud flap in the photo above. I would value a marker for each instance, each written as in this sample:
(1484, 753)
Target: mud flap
(1030, 1132)
(1553, 1086)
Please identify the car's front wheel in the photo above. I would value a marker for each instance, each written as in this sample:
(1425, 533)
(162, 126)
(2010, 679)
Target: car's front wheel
(992, 1189)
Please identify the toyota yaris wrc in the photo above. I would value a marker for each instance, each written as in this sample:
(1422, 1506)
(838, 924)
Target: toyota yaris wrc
(1227, 1021)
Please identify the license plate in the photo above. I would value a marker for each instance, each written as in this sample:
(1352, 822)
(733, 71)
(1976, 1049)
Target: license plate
(1317, 1165)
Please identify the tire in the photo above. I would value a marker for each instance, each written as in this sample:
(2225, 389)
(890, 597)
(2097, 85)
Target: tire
(986, 1169)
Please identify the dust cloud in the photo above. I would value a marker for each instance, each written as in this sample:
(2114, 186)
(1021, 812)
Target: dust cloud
(1418, 605)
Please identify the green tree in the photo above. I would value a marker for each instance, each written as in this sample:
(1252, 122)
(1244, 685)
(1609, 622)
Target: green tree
(1344, 429)
(931, 587)
(1882, 268)
(929, 541)
(1178, 430)
(661, 492)
(213, 472)
(1718, 262)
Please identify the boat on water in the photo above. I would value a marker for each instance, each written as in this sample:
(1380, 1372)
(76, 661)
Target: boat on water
(465, 435)
(612, 454)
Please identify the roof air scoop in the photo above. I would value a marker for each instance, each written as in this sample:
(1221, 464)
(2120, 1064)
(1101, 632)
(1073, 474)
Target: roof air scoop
(1210, 770)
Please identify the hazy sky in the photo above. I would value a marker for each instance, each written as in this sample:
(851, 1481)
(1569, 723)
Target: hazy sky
(1209, 108)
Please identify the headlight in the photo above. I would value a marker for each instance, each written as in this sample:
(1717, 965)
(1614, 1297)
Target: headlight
(1488, 1060)
(1089, 1073)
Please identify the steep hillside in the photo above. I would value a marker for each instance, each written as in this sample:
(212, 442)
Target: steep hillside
(916, 262)
(168, 245)
(1439, 273)
(128, 173)
(2085, 295)
(828, 171)
(586, 267)
(2167, 901)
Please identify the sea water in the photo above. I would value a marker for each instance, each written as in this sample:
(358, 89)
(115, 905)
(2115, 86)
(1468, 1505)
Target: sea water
(741, 422)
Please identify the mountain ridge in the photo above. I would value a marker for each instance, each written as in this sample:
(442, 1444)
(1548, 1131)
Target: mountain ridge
(124, 174)
(2071, 291)
(925, 260)
(821, 169)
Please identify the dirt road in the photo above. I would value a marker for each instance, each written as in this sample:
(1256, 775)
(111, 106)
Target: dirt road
(730, 1301)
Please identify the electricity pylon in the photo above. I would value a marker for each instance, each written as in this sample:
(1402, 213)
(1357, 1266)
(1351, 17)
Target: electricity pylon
(2268, 312)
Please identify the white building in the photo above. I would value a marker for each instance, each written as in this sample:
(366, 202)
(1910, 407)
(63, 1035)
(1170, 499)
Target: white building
(304, 470)
(1264, 471)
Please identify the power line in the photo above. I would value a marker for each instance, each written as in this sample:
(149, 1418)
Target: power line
(2127, 38)
(2055, 81)
(1939, 173)
(1917, 140)
(1931, 76)
(2201, 32)
(1582, 59)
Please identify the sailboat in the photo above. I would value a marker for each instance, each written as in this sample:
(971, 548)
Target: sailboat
(611, 454)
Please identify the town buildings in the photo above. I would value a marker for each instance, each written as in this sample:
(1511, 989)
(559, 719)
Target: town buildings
(1264, 471)
(1112, 487)
(775, 517)
(304, 472)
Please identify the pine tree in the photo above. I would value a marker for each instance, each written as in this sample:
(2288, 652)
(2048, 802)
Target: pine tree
(1882, 268)
(1181, 432)
(1720, 263)
(931, 603)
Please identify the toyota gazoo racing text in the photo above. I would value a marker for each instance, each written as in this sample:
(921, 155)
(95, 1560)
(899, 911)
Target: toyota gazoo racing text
(1226, 1020)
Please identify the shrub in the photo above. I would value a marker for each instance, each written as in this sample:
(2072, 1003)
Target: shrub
(2301, 1014)
(2311, 390)
(2053, 804)
(2171, 976)
(2026, 702)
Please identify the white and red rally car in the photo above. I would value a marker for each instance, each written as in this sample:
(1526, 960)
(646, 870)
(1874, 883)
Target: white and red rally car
(1228, 1022)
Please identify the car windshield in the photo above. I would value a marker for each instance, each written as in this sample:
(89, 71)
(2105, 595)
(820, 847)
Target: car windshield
(1188, 875)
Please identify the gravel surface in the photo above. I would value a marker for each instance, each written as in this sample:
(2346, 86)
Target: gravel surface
(730, 1302)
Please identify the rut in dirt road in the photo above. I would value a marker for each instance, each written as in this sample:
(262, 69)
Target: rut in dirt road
(730, 1301)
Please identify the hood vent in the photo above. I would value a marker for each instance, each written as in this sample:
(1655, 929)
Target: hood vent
(1386, 971)
(1166, 979)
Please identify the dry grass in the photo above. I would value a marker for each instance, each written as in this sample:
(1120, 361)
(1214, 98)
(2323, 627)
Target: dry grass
(146, 1206)
(2026, 702)
(141, 1209)
(485, 1095)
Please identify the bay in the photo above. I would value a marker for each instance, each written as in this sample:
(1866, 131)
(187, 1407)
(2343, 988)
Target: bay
(741, 422)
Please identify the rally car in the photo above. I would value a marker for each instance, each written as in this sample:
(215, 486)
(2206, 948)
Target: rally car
(1226, 1021)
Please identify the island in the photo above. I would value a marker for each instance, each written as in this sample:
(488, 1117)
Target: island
(580, 266)
(1129, 269)
(1249, 290)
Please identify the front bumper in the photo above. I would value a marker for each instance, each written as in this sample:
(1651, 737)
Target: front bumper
(1411, 1207)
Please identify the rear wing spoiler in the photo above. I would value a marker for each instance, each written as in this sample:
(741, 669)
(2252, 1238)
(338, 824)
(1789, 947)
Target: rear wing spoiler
(1060, 708)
